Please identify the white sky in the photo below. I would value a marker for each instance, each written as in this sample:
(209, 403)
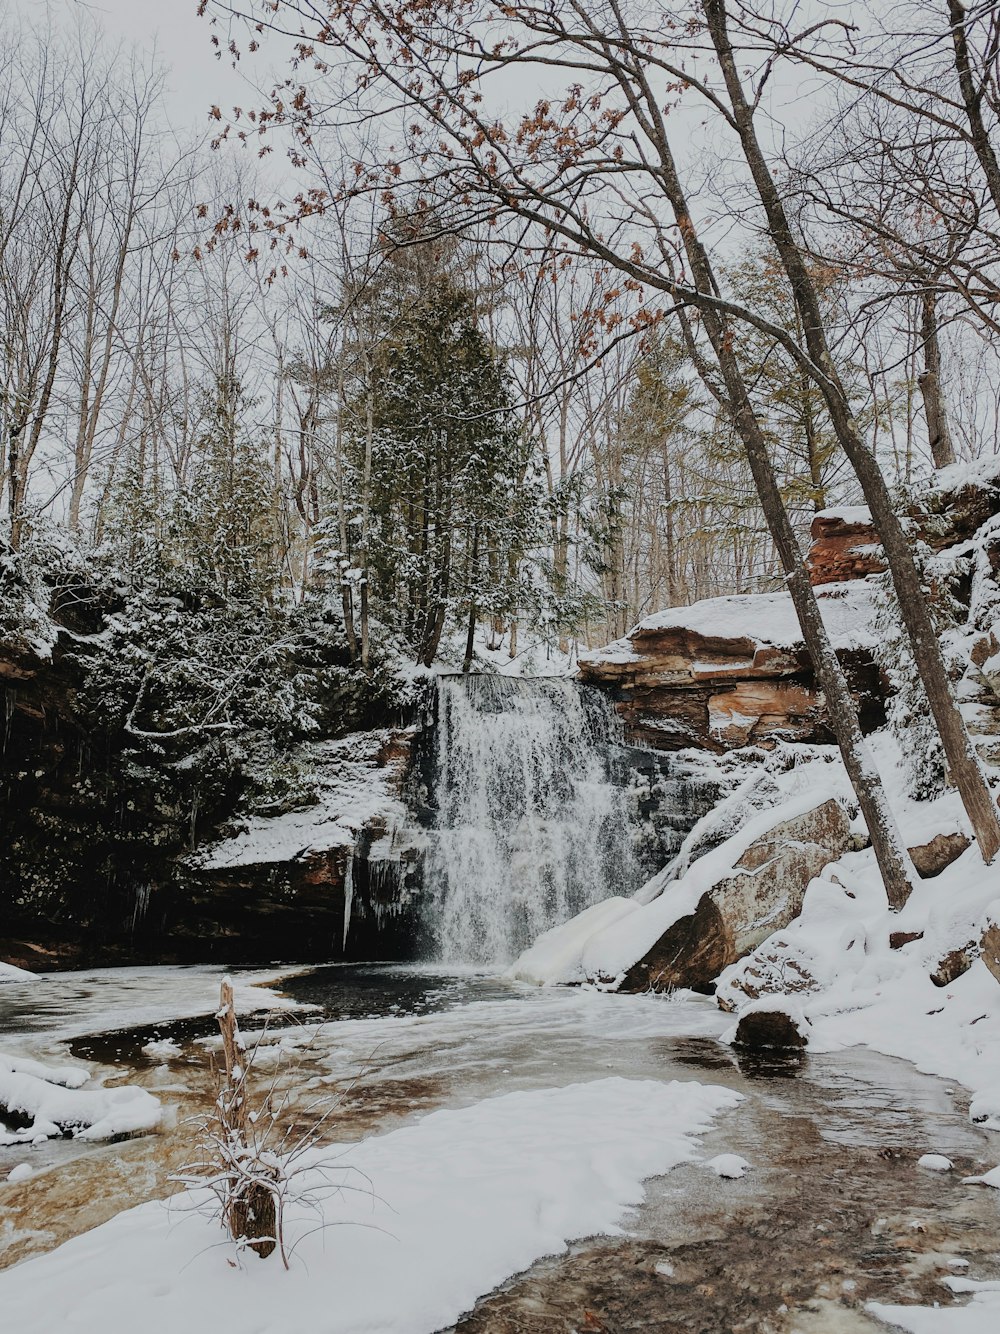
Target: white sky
(183, 41)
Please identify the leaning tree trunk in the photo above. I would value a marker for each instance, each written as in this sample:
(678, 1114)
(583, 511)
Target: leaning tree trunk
(890, 852)
(961, 757)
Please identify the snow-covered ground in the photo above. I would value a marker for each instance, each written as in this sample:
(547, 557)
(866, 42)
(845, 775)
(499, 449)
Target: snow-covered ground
(352, 788)
(438, 1213)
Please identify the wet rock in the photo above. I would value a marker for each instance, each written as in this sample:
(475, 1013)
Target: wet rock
(772, 1026)
(935, 856)
(763, 893)
(953, 965)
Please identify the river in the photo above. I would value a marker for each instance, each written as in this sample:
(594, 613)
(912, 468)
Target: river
(834, 1211)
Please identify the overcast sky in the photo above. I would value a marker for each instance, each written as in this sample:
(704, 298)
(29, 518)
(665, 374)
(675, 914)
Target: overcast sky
(183, 41)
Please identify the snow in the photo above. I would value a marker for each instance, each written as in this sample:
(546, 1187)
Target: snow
(604, 942)
(161, 1049)
(728, 1165)
(981, 1316)
(557, 955)
(851, 514)
(354, 789)
(935, 1162)
(438, 1213)
(8, 973)
(56, 1104)
(984, 1108)
(20, 1173)
(766, 620)
(991, 1178)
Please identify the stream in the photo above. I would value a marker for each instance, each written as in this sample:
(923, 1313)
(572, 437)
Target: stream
(833, 1213)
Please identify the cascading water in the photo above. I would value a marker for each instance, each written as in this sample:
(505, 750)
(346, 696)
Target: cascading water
(530, 828)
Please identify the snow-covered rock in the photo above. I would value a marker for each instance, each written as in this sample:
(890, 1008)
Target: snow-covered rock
(728, 1165)
(43, 1102)
(990, 1178)
(732, 671)
(771, 1022)
(682, 934)
(935, 1162)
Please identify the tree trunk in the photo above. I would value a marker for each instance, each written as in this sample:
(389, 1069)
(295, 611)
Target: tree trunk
(938, 435)
(890, 852)
(972, 100)
(962, 761)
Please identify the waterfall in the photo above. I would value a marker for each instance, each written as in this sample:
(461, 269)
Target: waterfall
(530, 828)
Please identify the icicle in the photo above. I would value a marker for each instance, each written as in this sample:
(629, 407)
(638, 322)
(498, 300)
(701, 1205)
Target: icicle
(348, 896)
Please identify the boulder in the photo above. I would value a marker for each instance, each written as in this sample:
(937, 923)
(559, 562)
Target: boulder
(762, 893)
(845, 546)
(770, 1025)
(897, 939)
(953, 965)
(935, 856)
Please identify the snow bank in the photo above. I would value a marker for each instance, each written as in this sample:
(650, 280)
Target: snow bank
(8, 973)
(767, 620)
(557, 955)
(855, 988)
(53, 1103)
(603, 942)
(445, 1209)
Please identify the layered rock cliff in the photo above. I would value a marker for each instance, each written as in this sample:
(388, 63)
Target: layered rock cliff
(733, 671)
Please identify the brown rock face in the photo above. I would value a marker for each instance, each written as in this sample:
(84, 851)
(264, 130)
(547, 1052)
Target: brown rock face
(930, 859)
(763, 894)
(991, 948)
(679, 686)
(845, 545)
(898, 939)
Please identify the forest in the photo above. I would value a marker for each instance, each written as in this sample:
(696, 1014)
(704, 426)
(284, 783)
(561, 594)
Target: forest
(500, 641)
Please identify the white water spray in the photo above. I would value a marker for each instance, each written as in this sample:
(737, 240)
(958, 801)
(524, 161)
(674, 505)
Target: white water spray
(530, 828)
